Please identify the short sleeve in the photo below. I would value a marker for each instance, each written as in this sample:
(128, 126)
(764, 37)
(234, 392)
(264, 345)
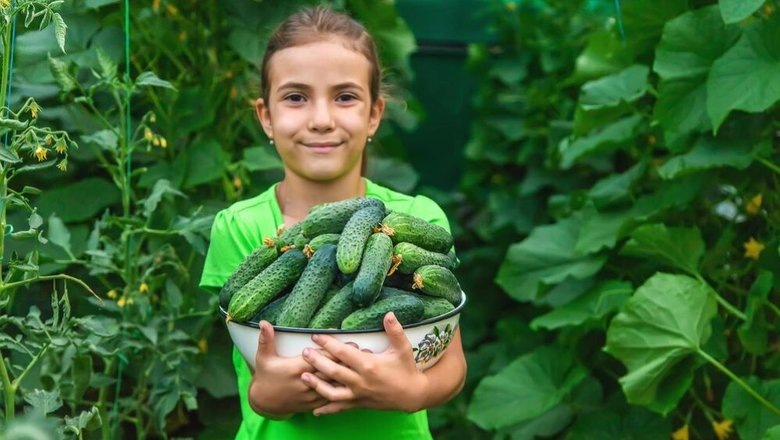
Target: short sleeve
(227, 250)
(429, 210)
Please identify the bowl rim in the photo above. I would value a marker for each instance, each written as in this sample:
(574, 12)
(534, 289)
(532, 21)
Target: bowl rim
(428, 321)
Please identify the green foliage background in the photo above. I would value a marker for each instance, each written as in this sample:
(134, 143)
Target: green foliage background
(617, 223)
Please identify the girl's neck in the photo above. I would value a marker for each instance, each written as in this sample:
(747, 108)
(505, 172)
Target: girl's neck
(296, 195)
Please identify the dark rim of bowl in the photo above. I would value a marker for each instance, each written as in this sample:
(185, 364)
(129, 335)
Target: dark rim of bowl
(435, 319)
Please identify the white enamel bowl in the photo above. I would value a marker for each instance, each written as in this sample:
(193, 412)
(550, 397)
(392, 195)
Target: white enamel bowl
(429, 338)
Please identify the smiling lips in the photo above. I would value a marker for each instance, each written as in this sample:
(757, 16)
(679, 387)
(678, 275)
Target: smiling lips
(323, 147)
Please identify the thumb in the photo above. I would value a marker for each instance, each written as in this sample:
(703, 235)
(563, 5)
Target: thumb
(395, 332)
(266, 346)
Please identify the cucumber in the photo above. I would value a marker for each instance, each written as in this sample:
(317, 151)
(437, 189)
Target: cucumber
(432, 306)
(308, 292)
(334, 310)
(405, 227)
(407, 309)
(438, 281)
(289, 236)
(377, 259)
(318, 241)
(252, 265)
(332, 217)
(413, 256)
(271, 311)
(266, 285)
(354, 236)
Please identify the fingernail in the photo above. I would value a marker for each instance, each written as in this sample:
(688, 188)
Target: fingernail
(316, 338)
(262, 336)
(306, 352)
(391, 318)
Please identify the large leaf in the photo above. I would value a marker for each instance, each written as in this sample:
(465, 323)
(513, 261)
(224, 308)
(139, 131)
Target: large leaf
(644, 21)
(611, 136)
(78, 201)
(261, 159)
(205, 162)
(681, 248)
(161, 187)
(616, 187)
(752, 418)
(547, 256)
(635, 424)
(526, 388)
(594, 305)
(58, 234)
(753, 61)
(709, 153)
(659, 329)
(772, 433)
(737, 10)
(628, 85)
(688, 47)
(754, 332)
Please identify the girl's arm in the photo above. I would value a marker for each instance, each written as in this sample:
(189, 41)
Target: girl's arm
(387, 380)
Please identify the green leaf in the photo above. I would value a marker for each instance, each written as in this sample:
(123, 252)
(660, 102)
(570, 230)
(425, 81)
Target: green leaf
(261, 159)
(603, 55)
(150, 79)
(610, 137)
(87, 420)
(527, 388)
(94, 4)
(81, 374)
(751, 418)
(545, 425)
(59, 234)
(754, 61)
(35, 221)
(709, 153)
(161, 188)
(635, 423)
(626, 86)
(9, 155)
(44, 401)
(80, 200)
(754, 332)
(60, 28)
(772, 433)
(105, 139)
(393, 173)
(738, 10)
(205, 162)
(60, 71)
(644, 21)
(616, 187)
(660, 327)
(594, 305)
(547, 256)
(107, 65)
(681, 248)
(689, 45)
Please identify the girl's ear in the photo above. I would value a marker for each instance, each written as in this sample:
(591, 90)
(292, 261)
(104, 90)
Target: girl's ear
(375, 117)
(264, 116)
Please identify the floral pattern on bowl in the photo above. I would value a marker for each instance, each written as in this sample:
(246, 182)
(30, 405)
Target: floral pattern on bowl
(433, 344)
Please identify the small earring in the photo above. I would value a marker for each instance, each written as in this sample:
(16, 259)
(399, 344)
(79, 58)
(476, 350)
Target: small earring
(271, 141)
(370, 139)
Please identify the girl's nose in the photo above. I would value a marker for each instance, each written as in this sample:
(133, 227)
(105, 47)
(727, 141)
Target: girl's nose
(321, 118)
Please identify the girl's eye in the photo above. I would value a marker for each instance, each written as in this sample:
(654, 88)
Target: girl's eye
(346, 98)
(294, 97)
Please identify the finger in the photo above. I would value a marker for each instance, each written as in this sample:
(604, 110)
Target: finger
(330, 368)
(333, 408)
(395, 333)
(327, 390)
(266, 346)
(348, 354)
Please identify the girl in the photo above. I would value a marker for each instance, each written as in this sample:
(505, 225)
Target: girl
(321, 104)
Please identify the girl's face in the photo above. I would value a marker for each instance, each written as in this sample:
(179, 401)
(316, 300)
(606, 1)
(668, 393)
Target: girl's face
(319, 110)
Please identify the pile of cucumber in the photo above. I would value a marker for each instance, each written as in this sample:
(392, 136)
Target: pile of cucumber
(345, 266)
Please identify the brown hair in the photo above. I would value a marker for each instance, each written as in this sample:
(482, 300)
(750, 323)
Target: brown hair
(314, 24)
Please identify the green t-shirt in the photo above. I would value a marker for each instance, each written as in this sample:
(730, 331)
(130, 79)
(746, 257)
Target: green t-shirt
(241, 228)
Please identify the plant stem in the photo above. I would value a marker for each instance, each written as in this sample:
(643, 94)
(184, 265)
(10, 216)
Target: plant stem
(48, 278)
(6, 60)
(32, 363)
(9, 390)
(726, 305)
(769, 164)
(102, 400)
(773, 308)
(739, 382)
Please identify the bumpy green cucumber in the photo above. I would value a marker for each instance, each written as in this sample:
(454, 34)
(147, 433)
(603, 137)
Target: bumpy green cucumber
(354, 236)
(271, 311)
(252, 265)
(405, 227)
(433, 306)
(289, 236)
(407, 309)
(318, 241)
(266, 285)
(308, 292)
(377, 259)
(331, 217)
(334, 310)
(413, 256)
(437, 281)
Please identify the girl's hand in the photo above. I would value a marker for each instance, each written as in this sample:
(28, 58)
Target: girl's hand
(276, 390)
(387, 380)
